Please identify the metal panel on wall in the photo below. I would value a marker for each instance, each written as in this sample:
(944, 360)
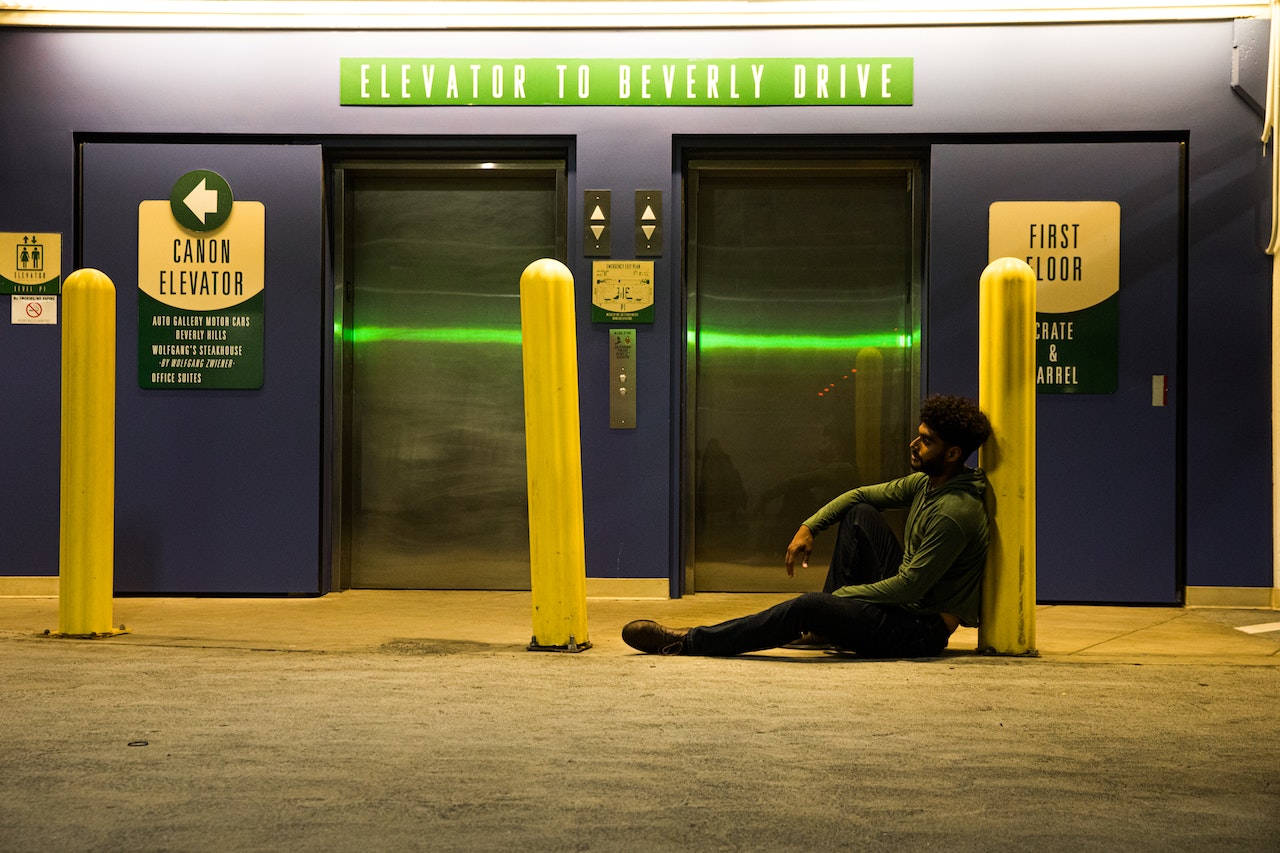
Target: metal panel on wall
(217, 491)
(1109, 485)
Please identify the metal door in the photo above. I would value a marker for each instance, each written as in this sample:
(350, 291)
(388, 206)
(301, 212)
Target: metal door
(803, 362)
(433, 468)
(1109, 486)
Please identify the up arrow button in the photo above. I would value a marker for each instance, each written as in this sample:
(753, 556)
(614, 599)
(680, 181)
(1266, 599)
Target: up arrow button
(201, 200)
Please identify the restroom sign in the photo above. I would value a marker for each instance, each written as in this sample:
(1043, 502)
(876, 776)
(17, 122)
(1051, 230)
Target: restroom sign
(201, 285)
(1073, 247)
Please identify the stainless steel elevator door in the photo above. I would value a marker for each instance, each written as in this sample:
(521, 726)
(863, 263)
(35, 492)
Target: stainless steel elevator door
(803, 363)
(436, 492)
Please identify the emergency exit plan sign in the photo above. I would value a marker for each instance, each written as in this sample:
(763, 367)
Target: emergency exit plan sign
(201, 262)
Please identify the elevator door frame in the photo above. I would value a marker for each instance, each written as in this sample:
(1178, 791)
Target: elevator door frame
(786, 163)
(514, 164)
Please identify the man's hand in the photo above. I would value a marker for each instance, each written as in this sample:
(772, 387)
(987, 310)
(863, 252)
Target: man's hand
(801, 546)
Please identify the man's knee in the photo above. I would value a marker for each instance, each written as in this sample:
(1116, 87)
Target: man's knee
(864, 517)
(810, 603)
(863, 513)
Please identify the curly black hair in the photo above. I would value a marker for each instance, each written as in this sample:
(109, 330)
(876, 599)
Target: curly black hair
(957, 420)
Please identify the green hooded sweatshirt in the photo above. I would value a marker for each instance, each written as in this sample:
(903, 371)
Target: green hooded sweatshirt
(944, 543)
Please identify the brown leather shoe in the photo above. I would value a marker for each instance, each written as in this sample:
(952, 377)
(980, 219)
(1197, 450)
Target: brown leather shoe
(651, 638)
(810, 642)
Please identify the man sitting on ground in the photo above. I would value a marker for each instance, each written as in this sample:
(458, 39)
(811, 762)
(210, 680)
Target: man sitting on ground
(880, 599)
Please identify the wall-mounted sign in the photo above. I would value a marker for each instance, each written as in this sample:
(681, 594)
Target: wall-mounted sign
(771, 81)
(1074, 249)
(201, 262)
(35, 310)
(622, 291)
(30, 263)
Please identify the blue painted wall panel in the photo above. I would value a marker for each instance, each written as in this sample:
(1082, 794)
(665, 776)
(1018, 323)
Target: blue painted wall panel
(219, 491)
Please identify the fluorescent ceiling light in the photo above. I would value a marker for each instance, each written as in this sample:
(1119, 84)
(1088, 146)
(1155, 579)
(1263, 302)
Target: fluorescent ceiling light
(592, 14)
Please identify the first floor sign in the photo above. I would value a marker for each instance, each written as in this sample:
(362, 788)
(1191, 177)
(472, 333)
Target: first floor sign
(1074, 249)
(201, 262)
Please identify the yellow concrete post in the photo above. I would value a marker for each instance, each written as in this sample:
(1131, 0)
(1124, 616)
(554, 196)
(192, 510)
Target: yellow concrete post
(868, 414)
(1007, 393)
(87, 521)
(553, 447)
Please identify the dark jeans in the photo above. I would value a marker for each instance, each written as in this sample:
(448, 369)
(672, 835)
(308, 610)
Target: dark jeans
(866, 551)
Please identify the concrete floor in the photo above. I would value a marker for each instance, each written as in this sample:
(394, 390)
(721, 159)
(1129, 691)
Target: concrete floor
(371, 720)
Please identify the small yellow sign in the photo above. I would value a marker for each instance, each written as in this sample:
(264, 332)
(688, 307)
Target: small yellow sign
(622, 290)
(30, 263)
(201, 271)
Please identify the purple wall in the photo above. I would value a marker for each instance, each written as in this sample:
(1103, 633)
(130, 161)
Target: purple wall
(971, 83)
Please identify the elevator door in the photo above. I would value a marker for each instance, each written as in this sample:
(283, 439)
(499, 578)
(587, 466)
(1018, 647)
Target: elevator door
(803, 368)
(434, 466)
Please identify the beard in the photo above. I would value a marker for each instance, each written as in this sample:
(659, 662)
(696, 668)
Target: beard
(932, 467)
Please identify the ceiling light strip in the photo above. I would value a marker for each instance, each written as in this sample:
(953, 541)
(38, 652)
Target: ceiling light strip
(588, 14)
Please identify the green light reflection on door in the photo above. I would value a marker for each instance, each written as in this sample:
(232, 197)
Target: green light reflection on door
(712, 340)
(707, 340)
(449, 335)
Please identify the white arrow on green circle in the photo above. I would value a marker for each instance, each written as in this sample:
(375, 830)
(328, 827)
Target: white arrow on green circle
(201, 201)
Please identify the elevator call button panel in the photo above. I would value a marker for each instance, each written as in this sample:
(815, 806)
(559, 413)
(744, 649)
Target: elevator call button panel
(622, 378)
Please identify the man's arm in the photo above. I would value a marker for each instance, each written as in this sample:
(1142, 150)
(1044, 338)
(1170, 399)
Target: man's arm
(895, 493)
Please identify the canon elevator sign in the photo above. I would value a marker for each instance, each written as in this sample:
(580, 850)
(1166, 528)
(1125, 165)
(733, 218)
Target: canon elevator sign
(201, 282)
(434, 81)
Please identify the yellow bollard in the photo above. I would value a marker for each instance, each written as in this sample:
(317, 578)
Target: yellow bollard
(553, 445)
(87, 521)
(869, 414)
(1007, 393)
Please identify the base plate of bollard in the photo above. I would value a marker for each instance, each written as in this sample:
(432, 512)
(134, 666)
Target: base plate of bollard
(573, 646)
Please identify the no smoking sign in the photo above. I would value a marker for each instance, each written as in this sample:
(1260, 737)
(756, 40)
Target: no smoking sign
(34, 310)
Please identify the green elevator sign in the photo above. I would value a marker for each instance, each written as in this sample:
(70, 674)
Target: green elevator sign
(771, 81)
